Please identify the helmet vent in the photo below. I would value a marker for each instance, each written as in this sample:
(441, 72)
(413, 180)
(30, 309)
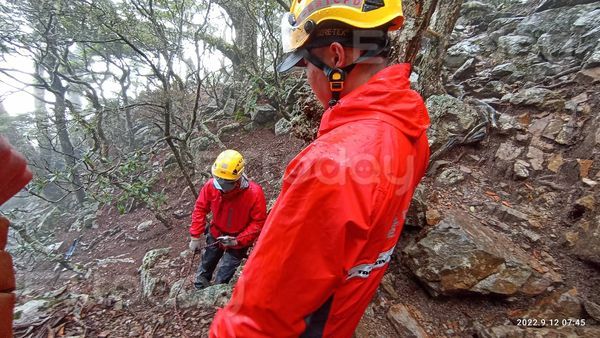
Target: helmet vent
(371, 5)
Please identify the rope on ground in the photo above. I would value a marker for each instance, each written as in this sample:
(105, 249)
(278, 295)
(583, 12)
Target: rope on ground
(186, 274)
(474, 135)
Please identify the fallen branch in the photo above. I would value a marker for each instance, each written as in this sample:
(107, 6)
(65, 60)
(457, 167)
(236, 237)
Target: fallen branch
(163, 220)
(560, 84)
(104, 235)
(476, 134)
(490, 114)
(154, 329)
(551, 185)
(212, 136)
(567, 72)
(114, 260)
(40, 248)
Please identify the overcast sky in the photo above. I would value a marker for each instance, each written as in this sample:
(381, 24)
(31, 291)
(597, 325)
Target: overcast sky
(14, 97)
(17, 99)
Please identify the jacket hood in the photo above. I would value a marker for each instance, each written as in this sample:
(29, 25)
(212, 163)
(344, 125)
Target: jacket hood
(244, 185)
(387, 97)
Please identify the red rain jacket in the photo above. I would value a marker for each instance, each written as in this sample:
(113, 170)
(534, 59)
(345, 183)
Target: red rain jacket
(330, 235)
(239, 213)
(14, 173)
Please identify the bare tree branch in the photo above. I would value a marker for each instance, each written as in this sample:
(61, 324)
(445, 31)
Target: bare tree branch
(283, 5)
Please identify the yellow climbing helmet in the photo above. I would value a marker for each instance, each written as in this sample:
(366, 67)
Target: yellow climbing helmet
(229, 165)
(305, 15)
(361, 24)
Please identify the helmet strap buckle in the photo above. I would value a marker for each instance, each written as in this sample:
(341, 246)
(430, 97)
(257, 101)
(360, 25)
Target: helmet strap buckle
(336, 77)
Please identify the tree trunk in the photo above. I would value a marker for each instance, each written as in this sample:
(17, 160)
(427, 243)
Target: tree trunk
(167, 120)
(432, 60)
(66, 145)
(123, 81)
(41, 121)
(101, 142)
(407, 42)
(432, 19)
(245, 43)
(50, 62)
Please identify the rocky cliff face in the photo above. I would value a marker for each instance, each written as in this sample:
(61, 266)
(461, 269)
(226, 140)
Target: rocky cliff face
(513, 49)
(505, 225)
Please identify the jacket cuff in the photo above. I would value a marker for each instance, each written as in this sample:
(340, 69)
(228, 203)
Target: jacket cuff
(194, 231)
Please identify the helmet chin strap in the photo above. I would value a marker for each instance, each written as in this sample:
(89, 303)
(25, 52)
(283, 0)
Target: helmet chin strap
(337, 76)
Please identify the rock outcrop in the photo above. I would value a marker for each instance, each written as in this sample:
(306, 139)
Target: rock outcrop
(559, 305)
(262, 114)
(404, 322)
(282, 127)
(152, 284)
(587, 246)
(212, 296)
(449, 117)
(460, 255)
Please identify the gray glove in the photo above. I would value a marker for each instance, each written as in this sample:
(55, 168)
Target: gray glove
(195, 244)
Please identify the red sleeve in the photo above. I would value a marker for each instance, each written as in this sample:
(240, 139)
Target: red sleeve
(258, 214)
(297, 263)
(201, 209)
(14, 174)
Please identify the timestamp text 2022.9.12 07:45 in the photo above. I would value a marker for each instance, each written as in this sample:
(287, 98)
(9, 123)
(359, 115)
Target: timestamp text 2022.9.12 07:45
(537, 322)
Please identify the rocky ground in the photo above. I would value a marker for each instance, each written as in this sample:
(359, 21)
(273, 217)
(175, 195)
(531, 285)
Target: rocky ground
(503, 235)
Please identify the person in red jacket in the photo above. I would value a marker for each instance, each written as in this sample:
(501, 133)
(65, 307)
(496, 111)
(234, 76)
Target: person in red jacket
(238, 213)
(14, 175)
(332, 231)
